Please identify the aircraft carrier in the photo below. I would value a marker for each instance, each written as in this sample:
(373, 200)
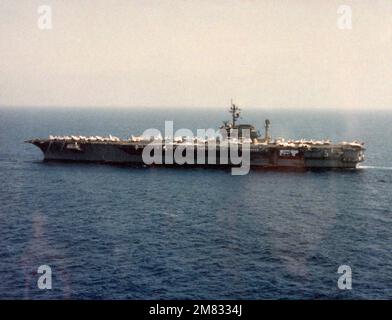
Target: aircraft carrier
(264, 151)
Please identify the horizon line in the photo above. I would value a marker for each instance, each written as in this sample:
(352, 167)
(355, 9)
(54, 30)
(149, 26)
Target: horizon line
(215, 107)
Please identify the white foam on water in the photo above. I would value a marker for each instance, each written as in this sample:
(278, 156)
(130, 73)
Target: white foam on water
(375, 167)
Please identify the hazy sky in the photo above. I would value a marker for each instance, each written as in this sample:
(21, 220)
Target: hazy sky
(263, 53)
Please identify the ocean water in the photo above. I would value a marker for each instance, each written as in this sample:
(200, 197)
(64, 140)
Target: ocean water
(111, 232)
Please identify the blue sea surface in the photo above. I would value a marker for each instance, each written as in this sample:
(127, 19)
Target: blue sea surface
(112, 232)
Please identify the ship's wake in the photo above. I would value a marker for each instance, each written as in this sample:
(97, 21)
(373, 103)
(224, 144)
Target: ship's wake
(375, 167)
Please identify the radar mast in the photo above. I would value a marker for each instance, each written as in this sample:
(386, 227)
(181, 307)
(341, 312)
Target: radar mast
(235, 112)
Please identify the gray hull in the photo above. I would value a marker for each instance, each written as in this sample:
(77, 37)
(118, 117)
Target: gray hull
(265, 156)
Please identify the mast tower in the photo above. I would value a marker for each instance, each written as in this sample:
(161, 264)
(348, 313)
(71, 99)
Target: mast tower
(235, 112)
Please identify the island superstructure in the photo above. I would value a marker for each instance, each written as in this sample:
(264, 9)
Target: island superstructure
(264, 151)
